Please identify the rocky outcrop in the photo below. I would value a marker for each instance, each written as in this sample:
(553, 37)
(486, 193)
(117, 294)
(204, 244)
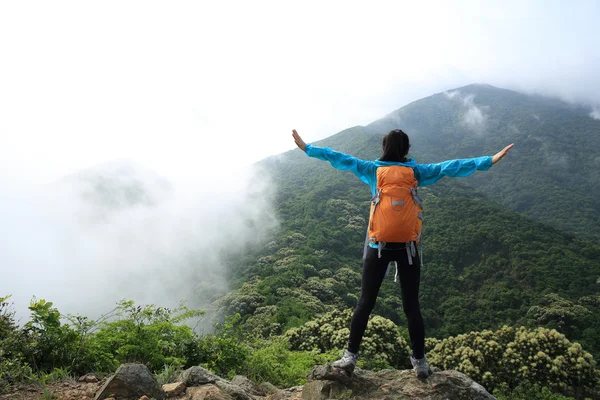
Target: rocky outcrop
(328, 383)
(131, 381)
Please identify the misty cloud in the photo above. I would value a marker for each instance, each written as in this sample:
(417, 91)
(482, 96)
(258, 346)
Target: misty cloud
(96, 238)
(472, 117)
(595, 114)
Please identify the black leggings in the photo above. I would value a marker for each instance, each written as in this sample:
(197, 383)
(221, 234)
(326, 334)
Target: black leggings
(374, 270)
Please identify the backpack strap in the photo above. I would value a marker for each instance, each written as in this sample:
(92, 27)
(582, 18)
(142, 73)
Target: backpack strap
(410, 252)
(416, 197)
(380, 247)
(375, 201)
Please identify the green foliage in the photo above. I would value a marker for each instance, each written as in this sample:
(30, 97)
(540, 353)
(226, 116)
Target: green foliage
(561, 314)
(13, 371)
(274, 362)
(515, 355)
(155, 336)
(56, 375)
(383, 344)
(51, 344)
(223, 351)
(528, 392)
(13, 366)
(146, 334)
(168, 374)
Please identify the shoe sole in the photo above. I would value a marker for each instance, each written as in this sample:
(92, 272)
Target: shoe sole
(423, 374)
(349, 371)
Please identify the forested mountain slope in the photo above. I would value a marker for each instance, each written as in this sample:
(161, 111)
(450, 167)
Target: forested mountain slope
(488, 262)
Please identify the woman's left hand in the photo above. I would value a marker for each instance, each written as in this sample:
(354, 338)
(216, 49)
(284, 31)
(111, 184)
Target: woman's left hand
(299, 142)
(498, 156)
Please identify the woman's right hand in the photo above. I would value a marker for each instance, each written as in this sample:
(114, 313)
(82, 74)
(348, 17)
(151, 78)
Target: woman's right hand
(299, 142)
(498, 156)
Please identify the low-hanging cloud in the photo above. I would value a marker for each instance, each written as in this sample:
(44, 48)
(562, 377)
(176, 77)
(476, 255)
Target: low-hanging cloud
(595, 113)
(473, 117)
(119, 231)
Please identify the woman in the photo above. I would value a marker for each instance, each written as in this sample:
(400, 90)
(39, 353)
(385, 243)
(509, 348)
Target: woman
(380, 253)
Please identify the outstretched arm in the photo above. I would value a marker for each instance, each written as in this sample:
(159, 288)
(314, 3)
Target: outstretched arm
(427, 174)
(500, 155)
(365, 170)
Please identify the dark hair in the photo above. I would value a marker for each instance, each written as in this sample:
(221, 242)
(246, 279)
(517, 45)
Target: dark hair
(395, 146)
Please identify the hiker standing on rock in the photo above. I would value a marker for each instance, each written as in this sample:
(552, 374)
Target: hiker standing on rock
(394, 230)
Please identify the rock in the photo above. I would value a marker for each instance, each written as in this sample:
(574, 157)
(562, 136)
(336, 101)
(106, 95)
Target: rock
(89, 378)
(328, 383)
(196, 376)
(321, 390)
(287, 394)
(131, 381)
(355, 382)
(248, 385)
(439, 386)
(280, 395)
(144, 398)
(173, 389)
(269, 388)
(206, 392)
(234, 391)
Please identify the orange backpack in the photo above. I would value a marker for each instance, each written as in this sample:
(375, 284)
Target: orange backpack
(396, 213)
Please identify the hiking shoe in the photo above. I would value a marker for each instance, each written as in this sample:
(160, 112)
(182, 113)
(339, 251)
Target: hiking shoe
(347, 362)
(421, 367)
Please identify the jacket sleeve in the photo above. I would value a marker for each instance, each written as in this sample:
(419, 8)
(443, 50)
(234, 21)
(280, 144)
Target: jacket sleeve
(365, 170)
(431, 173)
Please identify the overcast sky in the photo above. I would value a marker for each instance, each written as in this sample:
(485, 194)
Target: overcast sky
(179, 86)
(199, 90)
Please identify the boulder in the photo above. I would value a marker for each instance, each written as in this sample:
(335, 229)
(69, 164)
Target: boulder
(197, 376)
(173, 389)
(236, 392)
(268, 388)
(89, 378)
(248, 385)
(131, 381)
(206, 392)
(321, 390)
(325, 382)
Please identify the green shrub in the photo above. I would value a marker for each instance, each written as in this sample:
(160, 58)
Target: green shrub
(383, 344)
(12, 372)
(150, 335)
(274, 362)
(516, 355)
(13, 367)
(168, 374)
(223, 351)
(51, 343)
(527, 392)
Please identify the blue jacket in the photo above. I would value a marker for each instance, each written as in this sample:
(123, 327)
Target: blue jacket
(426, 174)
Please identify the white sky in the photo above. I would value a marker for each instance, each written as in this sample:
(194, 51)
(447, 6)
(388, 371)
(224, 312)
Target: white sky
(181, 86)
